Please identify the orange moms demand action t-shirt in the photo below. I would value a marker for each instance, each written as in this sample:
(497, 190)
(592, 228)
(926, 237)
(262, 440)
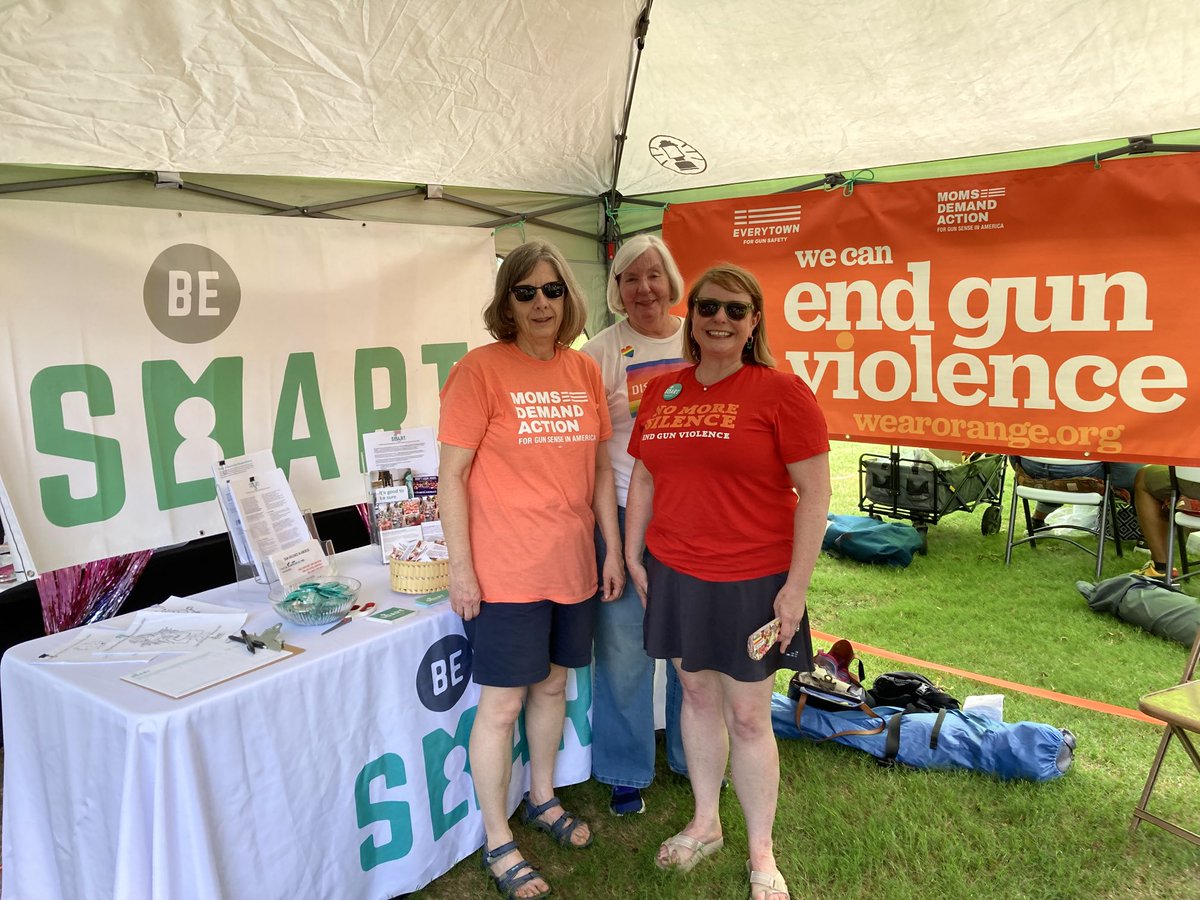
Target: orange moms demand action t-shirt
(534, 426)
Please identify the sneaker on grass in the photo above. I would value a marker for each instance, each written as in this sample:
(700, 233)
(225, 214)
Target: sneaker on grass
(626, 801)
(1149, 570)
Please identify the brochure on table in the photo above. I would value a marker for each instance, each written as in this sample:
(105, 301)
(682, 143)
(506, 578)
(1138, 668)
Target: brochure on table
(260, 511)
(223, 472)
(302, 562)
(402, 478)
(411, 448)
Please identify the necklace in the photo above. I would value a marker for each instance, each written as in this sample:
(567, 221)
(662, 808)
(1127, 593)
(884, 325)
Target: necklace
(705, 387)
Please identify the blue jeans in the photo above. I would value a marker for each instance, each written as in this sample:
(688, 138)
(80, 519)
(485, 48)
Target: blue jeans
(623, 697)
(1122, 476)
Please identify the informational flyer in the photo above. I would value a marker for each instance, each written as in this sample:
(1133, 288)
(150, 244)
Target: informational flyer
(269, 513)
(300, 563)
(223, 471)
(410, 448)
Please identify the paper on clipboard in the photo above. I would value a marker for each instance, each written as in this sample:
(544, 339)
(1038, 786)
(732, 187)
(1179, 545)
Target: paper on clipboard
(184, 675)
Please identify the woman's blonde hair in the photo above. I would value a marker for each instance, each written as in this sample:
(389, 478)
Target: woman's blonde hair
(498, 317)
(739, 281)
(624, 258)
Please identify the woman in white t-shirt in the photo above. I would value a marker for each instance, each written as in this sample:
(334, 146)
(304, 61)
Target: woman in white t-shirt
(644, 284)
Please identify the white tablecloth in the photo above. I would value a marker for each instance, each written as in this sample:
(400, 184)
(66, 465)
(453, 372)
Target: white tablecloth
(339, 773)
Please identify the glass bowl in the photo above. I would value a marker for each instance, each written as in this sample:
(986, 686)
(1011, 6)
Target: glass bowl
(324, 599)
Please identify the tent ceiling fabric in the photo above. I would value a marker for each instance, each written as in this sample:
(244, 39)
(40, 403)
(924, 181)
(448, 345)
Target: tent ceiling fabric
(774, 88)
(528, 94)
(516, 94)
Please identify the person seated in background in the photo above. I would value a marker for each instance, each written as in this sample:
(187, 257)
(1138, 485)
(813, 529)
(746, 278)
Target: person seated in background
(1151, 497)
(1123, 475)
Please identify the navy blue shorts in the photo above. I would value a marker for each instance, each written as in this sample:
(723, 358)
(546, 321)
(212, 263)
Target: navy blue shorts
(513, 644)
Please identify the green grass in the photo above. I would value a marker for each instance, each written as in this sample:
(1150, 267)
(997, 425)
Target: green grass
(847, 828)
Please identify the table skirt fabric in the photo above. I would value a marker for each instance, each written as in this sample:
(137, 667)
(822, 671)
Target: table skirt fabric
(340, 772)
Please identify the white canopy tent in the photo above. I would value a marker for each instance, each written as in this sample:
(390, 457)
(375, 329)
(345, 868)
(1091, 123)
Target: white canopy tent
(559, 116)
(567, 119)
(530, 94)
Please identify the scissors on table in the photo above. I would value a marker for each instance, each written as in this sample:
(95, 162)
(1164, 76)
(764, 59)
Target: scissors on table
(356, 611)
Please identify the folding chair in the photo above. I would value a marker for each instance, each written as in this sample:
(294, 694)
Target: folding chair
(1179, 708)
(1084, 490)
(1185, 521)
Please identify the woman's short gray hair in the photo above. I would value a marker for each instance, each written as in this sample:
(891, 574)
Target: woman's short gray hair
(628, 252)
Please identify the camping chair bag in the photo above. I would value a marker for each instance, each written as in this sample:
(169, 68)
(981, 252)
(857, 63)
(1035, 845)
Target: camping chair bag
(1028, 751)
(870, 540)
(1145, 602)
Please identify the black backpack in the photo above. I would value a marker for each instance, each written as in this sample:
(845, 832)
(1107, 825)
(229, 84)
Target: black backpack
(910, 692)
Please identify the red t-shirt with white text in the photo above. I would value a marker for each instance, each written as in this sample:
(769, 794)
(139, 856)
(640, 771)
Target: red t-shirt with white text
(723, 500)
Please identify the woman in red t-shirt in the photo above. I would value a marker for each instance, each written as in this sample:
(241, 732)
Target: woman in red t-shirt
(727, 508)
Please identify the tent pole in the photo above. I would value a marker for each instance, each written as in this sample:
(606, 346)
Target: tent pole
(1138, 144)
(510, 216)
(356, 201)
(832, 180)
(643, 26)
(71, 182)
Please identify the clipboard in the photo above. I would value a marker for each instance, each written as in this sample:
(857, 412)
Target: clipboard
(193, 672)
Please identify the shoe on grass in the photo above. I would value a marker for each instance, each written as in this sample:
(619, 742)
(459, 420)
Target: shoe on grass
(1150, 571)
(626, 801)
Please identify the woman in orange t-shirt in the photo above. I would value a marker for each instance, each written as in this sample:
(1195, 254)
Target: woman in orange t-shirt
(524, 478)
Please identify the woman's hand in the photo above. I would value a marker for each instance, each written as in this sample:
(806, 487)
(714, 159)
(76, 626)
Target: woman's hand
(464, 592)
(790, 603)
(636, 572)
(453, 477)
(612, 582)
(637, 517)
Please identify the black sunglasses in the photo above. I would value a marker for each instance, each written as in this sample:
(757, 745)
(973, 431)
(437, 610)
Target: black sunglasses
(735, 309)
(551, 290)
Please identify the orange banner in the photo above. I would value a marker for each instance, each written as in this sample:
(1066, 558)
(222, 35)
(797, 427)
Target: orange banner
(1047, 312)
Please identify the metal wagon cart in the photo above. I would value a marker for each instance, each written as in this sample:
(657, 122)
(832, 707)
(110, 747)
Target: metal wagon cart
(922, 492)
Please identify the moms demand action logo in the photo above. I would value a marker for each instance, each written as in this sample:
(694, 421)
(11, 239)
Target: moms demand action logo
(968, 210)
(766, 224)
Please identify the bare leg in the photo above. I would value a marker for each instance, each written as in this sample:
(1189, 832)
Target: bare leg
(706, 746)
(490, 751)
(544, 711)
(1152, 519)
(754, 756)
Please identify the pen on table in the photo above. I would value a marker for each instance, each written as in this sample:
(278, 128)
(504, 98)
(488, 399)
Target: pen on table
(245, 639)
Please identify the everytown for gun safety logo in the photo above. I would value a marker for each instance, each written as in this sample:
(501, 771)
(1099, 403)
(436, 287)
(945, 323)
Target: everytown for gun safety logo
(969, 209)
(766, 224)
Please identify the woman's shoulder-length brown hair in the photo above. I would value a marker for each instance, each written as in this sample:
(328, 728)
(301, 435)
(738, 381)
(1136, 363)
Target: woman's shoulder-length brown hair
(497, 316)
(740, 281)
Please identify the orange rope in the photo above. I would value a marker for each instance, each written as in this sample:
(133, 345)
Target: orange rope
(1000, 682)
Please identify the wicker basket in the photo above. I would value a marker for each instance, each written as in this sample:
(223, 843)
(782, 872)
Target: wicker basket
(420, 577)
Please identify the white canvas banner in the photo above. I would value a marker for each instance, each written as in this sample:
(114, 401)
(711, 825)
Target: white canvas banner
(141, 346)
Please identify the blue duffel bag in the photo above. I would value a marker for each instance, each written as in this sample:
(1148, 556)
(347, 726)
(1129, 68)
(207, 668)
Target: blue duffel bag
(949, 739)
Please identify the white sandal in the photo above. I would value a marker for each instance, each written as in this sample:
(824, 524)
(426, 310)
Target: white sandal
(772, 881)
(697, 851)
